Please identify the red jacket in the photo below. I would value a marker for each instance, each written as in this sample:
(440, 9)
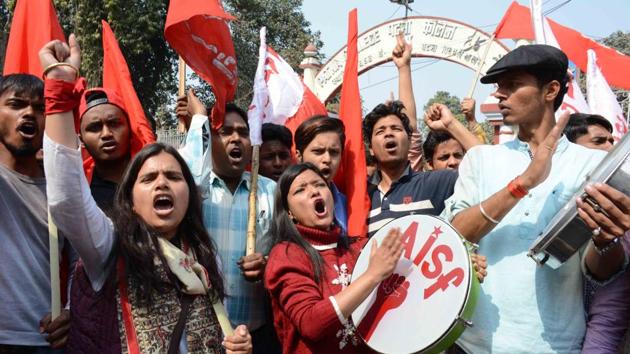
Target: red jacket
(304, 316)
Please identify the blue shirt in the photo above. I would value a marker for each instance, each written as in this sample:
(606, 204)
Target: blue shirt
(412, 193)
(523, 308)
(341, 211)
(225, 218)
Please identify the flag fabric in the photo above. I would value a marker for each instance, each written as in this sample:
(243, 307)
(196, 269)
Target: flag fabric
(601, 98)
(116, 76)
(34, 24)
(199, 33)
(351, 176)
(573, 100)
(615, 66)
(515, 23)
(280, 96)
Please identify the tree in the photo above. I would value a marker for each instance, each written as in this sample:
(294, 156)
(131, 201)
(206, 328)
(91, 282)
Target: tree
(138, 26)
(453, 104)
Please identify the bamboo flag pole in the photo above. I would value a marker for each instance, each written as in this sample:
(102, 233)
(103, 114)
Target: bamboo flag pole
(251, 219)
(473, 86)
(55, 288)
(181, 126)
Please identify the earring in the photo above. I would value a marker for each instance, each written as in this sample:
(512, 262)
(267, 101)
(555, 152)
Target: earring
(294, 220)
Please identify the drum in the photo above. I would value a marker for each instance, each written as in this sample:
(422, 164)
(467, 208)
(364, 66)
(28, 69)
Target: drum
(567, 232)
(429, 300)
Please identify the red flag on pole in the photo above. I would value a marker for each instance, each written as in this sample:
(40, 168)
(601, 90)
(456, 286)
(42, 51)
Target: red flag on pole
(352, 175)
(34, 24)
(199, 33)
(615, 66)
(116, 77)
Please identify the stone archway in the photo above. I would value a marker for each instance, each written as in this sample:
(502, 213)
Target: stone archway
(435, 37)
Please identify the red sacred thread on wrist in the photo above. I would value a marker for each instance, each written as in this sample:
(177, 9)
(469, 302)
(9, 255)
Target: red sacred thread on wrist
(516, 188)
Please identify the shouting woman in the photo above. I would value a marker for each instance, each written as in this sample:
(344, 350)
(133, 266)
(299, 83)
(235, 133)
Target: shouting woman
(149, 282)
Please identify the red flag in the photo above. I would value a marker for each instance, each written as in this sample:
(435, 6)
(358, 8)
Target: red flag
(34, 24)
(516, 23)
(352, 175)
(199, 33)
(614, 65)
(116, 77)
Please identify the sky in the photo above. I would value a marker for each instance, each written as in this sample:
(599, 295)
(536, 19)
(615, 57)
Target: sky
(595, 19)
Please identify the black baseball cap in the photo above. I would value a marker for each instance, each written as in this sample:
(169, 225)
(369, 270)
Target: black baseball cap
(534, 56)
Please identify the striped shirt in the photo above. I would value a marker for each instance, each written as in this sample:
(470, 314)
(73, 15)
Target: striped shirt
(412, 193)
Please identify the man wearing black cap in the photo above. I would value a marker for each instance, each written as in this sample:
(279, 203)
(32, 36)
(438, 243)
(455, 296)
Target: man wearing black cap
(506, 195)
(105, 133)
(590, 130)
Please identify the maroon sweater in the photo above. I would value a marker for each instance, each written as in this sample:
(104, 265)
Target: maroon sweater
(304, 317)
(93, 317)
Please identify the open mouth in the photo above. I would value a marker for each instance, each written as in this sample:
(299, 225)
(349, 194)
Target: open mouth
(325, 171)
(163, 204)
(236, 153)
(320, 208)
(28, 129)
(390, 146)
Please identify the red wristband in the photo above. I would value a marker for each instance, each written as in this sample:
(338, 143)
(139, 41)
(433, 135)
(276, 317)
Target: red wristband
(516, 188)
(62, 96)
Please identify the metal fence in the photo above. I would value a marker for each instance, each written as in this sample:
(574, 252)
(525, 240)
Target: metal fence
(171, 137)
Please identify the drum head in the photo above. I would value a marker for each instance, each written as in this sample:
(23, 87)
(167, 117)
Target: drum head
(418, 306)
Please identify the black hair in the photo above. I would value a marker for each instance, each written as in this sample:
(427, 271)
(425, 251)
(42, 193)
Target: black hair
(579, 122)
(310, 128)
(381, 111)
(277, 132)
(22, 85)
(434, 138)
(282, 227)
(233, 108)
(544, 77)
(137, 242)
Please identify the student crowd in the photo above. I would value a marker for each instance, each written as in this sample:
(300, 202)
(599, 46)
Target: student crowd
(155, 239)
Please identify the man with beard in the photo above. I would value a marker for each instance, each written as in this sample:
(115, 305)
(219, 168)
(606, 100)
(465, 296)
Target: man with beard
(225, 188)
(24, 255)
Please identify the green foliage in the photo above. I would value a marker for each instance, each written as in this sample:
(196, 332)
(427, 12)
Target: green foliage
(138, 26)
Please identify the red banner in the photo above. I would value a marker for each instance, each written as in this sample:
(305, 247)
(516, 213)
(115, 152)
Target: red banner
(352, 175)
(199, 33)
(517, 23)
(34, 24)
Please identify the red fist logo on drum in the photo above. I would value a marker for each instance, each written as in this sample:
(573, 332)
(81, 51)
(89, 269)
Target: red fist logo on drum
(422, 304)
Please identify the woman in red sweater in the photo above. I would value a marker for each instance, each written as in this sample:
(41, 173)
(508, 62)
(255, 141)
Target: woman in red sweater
(309, 268)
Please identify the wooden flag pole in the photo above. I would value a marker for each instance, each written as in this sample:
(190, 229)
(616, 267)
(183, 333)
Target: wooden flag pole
(473, 86)
(55, 288)
(181, 126)
(222, 317)
(251, 219)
